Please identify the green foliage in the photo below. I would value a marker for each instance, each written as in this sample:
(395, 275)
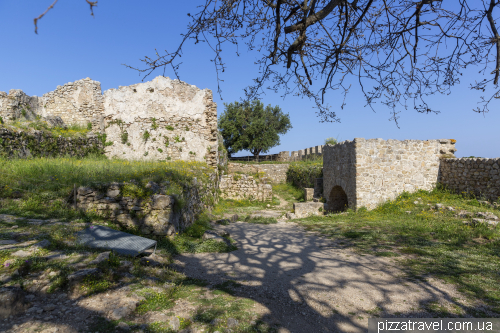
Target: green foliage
(177, 139)
(1, 120)
(154, 125)
(89, 126)
(167, 142)
(160, 150)
(303, 175)
(331, 141)
(187, 128)
(250, 126)
(124, 137)
(170, 128)
(146, 136)
(146, 153)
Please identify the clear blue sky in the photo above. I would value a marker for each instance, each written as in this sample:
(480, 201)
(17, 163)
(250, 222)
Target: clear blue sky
(72, 45)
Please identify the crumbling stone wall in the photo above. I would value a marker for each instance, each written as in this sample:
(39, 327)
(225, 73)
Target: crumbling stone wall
(158, 214)
(365, 173)
(276, 173)
(162, 119)
(22, 144)
(477, 176)
(78, 102)
(244, 187)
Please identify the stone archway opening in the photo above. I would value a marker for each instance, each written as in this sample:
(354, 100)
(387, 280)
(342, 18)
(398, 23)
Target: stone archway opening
(338, 200)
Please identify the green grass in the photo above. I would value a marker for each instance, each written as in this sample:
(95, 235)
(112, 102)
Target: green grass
(426, 241)
(289, 192)
(70, 131)
(39, 187)
(242, 205)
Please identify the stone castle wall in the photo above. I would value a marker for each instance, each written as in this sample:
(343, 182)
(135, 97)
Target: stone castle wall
(365, 173)
(476, 176)
(23, 144)
(276, 173)
(244, 187)
(162, 119)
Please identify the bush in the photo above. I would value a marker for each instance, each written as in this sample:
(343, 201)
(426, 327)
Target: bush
(303, 175)
(331, 141)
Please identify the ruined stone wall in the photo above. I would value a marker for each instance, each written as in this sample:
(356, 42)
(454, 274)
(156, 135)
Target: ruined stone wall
(158, 214)
(244, 187)
(477, 176)
(276, 173)
(373, 171)
(161, 120)
(78, 102)
(15, 143)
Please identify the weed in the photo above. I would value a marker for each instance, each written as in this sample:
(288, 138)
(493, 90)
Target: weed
(154, 125)
(170, 128)
(145, 136)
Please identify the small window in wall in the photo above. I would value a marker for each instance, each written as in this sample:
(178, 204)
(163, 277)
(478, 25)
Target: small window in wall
(338, 200)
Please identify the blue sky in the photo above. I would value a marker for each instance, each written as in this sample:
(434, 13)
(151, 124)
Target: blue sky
(72, 45)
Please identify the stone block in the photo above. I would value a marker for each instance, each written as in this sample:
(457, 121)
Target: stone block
(308, 194)
(304, 209)
(11, 302)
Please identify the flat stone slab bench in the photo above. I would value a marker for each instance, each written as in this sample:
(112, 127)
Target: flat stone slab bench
(101, 237)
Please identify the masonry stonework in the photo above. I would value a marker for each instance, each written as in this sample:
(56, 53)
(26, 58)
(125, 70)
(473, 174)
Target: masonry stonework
(244, 187)
(476, 176)
(162, 119)
(276, 173)
(365, 173)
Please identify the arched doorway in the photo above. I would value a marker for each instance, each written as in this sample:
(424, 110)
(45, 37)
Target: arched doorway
(338, 200)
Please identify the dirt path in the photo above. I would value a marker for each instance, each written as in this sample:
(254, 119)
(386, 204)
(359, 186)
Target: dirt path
(311, 284)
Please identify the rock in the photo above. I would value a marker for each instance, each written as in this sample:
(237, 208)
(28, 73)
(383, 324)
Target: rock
(416, 202)
(439, 206)
(291, 216)
(214, 236)
(4, 278)
(7, 242)
(21, 254)
(120, 313)
(175, 323)
(79, 275)
(153, 260)
(54, 121)
(154, 187)
(11, 302)
(231, 322)
(49, 307)
(123, 326)
(234, 218)
(464, 214)
(162, 202)
(487, 215)
(451, 209)
(104, 256)
(41, 245)
(14, 227)
(223, 221)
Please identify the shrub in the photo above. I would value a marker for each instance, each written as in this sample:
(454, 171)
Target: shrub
(154, 125)
(124, 137)
(89, 126)
(170, 128)
(1, 120)
(331, 141)
(146, 136)
(303, 175)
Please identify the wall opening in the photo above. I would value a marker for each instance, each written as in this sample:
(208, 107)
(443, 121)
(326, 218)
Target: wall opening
(338, 200)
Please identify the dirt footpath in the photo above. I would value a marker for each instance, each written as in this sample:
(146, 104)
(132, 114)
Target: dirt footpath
(309, 284)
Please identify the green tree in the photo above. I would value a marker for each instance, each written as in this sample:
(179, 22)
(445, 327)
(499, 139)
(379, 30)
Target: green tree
(250, 126)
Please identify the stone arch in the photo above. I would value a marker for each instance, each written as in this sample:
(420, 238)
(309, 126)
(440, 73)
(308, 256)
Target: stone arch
(337, 200)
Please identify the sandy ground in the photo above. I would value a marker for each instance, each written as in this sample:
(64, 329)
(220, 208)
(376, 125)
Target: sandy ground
(308, 283)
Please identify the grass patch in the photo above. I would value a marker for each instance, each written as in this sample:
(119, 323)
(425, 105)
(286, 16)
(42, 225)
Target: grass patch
(260, 220)
(235, 206)
(428, 241)
(39, 188)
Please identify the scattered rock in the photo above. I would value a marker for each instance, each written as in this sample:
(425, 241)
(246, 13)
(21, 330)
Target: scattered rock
(223, 221)
(153, 260)
(451, 209)
(4, 278)
(213, 235)
(11, 302)
(21, 254)
(49, 307)
(79, 275)
(291, 216)
(231, 322)
(123, 326)
(54, 121)
(14, 227)
(464, 214)
(175, 323)
(234, 218)
(487, 215)
(7, 242)
(100, 258)
(41, 245)
(439, 206)
(119, 313)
